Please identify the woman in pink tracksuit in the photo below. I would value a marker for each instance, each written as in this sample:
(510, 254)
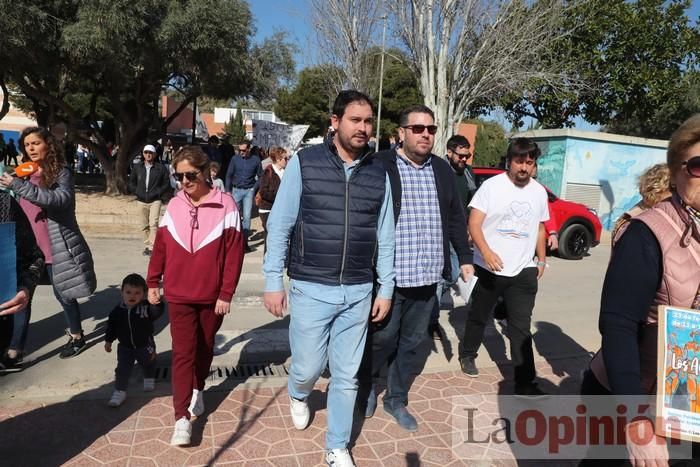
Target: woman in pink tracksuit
(198, 252)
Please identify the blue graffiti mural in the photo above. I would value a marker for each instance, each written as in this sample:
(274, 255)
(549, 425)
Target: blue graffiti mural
(550, 167)
(613, 167)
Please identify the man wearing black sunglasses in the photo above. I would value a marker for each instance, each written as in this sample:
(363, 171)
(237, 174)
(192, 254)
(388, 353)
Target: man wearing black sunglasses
(460, 157)
(429, 216)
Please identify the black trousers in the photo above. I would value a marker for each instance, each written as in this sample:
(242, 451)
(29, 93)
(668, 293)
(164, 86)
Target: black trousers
(126, 356)
(396, 340)
(518, 294)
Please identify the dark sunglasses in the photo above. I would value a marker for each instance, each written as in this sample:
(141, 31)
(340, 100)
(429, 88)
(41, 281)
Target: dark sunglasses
(191, 176)
(692, 166)
(464, 156)
(419, 129)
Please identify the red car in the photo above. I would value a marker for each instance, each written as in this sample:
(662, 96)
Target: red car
(578, 226)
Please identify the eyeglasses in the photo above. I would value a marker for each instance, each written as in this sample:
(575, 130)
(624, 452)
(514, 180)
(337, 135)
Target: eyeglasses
(419, 129)
(191, 176)
(287, 158)
(463, 156)
(692, 166)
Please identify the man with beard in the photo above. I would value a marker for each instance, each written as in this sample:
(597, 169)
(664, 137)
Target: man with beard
(506, 223)
(429, 216)
(460, 158)
(332, 214)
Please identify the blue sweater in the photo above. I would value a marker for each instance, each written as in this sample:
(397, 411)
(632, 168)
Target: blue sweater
(243, 173)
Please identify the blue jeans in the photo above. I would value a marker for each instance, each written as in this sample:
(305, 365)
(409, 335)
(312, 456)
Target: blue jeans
(244, 200)
(320, 332)
(444, 285)
(71, 309)
(406, 328)
(20, 327)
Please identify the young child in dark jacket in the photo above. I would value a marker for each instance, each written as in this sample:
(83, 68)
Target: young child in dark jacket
(132, 323)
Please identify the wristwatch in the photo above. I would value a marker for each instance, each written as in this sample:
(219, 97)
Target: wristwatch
(553, 233)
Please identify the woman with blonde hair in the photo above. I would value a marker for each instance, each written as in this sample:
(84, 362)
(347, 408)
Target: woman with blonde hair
(199, 253)
(654, 186)
(655, 263)
(48, 199)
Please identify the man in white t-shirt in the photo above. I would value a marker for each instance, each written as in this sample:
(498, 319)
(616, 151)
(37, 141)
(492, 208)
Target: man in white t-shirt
(506, 224)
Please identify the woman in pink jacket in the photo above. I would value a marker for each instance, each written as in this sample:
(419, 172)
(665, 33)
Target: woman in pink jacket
(198, 252)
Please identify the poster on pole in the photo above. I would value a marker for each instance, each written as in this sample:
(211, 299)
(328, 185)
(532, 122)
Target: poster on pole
(678, 375)
(267, 134)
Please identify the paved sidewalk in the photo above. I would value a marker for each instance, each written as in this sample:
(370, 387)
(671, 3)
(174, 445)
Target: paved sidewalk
(250, 426)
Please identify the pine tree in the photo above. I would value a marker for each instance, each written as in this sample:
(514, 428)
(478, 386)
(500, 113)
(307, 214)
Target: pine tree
(235, 128)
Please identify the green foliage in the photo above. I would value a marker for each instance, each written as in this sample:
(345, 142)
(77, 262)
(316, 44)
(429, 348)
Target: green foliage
(491, 143)
(400, 87)
(84, 62)
(667, 117)
(273, 64)
(631, 57)
(310, 101)
(234, 128)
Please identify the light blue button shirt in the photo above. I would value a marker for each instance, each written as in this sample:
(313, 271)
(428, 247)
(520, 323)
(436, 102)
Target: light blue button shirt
(283, 219)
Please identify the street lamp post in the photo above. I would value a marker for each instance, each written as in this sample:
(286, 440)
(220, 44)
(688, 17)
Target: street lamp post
(381, 78)
(194, 120)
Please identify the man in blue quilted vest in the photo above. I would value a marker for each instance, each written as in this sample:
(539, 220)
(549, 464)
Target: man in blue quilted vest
(333, 220)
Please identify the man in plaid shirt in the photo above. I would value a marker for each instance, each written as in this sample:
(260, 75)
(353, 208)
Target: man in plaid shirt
(429, 215)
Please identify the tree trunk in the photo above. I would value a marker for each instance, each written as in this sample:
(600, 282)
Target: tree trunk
(132, 139)
(5, 108)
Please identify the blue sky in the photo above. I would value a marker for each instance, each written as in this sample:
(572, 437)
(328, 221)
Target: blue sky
(294, 16)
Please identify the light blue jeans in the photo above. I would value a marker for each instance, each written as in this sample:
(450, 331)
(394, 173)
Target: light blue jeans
(244, 200)
(320, 332)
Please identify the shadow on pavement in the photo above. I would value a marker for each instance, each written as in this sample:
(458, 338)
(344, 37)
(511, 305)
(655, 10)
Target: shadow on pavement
(567, 358)
(250, 410)
(97, 308)
(56, 433)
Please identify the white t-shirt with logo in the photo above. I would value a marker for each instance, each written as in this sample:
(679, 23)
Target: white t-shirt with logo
(511, 226)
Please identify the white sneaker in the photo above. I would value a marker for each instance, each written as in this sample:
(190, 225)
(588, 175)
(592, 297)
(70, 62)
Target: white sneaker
(196, 403)
(339, 458)
(117, 399)
(149, 384)
(182, 433)
(300, 413)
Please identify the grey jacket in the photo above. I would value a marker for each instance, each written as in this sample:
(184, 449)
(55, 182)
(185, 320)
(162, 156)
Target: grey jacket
(73, 268)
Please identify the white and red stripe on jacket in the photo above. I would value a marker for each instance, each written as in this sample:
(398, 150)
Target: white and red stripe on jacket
(198, 251)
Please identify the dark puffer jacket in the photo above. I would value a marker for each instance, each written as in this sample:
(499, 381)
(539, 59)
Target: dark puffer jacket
(73, 268)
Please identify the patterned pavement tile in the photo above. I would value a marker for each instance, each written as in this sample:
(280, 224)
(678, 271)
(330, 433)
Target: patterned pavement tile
(141, 462)
(252, 426)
